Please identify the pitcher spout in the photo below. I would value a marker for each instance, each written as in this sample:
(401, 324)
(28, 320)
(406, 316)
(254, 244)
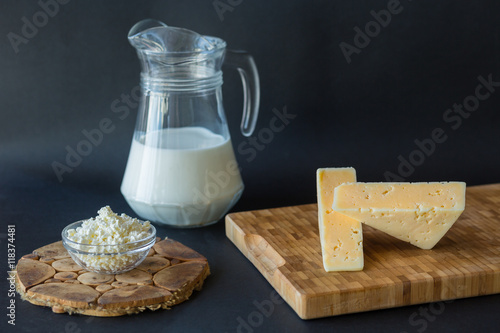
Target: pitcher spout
(176, 52)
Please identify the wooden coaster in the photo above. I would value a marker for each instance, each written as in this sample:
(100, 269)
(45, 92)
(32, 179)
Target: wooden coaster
(168, 276)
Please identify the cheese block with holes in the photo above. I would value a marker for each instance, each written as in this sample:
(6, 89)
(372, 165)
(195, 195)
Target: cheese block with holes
(418, 213)
(341, 236)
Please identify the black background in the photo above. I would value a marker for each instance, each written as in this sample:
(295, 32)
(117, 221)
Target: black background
(366, 114)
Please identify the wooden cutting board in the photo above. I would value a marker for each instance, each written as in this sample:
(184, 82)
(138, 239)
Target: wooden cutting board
(284, 245)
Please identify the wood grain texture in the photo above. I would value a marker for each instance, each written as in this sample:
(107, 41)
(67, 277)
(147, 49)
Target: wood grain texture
(65, 287)
(284, 245)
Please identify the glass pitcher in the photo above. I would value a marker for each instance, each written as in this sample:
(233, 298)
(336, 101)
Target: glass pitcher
(181, 169)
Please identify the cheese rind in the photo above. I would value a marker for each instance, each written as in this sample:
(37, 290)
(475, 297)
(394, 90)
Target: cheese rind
(341, 236)
(418, 213)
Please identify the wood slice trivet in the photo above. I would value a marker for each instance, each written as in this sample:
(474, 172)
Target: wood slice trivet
(168, 276)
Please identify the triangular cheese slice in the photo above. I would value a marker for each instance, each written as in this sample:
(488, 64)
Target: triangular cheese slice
(419, 213)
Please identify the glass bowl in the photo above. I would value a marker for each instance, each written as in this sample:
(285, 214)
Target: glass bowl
(108, 259)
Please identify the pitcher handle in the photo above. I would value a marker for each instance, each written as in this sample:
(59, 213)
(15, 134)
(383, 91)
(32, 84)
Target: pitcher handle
(245, 65)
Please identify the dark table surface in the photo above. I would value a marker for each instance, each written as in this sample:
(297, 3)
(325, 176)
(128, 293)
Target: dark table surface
(235, 297)
(372, 108)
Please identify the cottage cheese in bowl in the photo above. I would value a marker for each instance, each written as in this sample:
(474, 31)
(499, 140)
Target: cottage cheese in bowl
(109, 243)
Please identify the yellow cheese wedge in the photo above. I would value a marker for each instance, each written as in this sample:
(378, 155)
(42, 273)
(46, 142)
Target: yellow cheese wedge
(341, 236)
(419, 213)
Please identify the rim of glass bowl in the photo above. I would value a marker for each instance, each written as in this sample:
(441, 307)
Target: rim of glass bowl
(136, 246)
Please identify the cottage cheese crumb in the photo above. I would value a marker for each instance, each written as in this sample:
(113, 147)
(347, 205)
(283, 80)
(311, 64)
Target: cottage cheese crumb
(108, 229)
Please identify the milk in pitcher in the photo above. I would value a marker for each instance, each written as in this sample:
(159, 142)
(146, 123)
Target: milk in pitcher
(182, 176)
(181, 169)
